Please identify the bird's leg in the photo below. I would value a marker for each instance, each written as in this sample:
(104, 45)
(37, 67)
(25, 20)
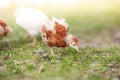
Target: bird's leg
(34, 40)
(51, 50)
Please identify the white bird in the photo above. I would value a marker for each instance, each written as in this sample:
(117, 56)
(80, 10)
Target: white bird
(31, 20)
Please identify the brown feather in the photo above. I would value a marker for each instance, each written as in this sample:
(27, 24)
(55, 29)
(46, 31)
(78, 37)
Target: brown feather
(61, 30)
(4, 25)
(54, 39)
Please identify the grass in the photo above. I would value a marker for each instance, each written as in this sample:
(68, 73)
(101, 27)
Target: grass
(90, 63)
(98, 59)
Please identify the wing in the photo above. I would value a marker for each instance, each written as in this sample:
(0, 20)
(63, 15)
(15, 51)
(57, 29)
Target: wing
(61, 30)
(56, 41)
(60, 27)
(54, 38)
(55, 27)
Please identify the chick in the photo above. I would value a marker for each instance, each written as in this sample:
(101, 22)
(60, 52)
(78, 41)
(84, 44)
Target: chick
(31, 20)
(60, 37)
(4, 29)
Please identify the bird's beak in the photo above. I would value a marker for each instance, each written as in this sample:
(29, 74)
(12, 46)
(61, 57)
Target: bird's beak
(77, 49)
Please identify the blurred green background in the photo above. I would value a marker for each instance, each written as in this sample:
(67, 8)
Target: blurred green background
(98, 18)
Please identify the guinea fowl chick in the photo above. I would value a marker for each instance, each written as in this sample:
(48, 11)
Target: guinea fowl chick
(60, 37)
(4, 29)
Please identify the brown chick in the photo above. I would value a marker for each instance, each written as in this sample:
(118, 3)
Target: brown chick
(59, 38)
(4, 29)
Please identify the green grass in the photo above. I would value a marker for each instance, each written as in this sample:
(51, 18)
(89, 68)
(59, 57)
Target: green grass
(98, 59)
(90, 63)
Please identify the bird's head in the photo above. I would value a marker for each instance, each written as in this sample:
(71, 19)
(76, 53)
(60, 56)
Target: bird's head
(73, 42)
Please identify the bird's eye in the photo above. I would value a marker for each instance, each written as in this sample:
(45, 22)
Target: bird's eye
(73, 44)
(44, 35)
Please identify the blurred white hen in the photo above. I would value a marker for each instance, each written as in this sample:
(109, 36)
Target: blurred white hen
(31, 20)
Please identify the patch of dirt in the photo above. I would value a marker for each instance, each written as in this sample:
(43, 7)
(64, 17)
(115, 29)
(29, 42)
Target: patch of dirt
(101, 40)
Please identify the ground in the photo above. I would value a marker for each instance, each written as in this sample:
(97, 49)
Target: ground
(98, 59)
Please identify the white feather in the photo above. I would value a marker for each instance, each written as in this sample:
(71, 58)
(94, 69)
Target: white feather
(30, 19)
(60, 21)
